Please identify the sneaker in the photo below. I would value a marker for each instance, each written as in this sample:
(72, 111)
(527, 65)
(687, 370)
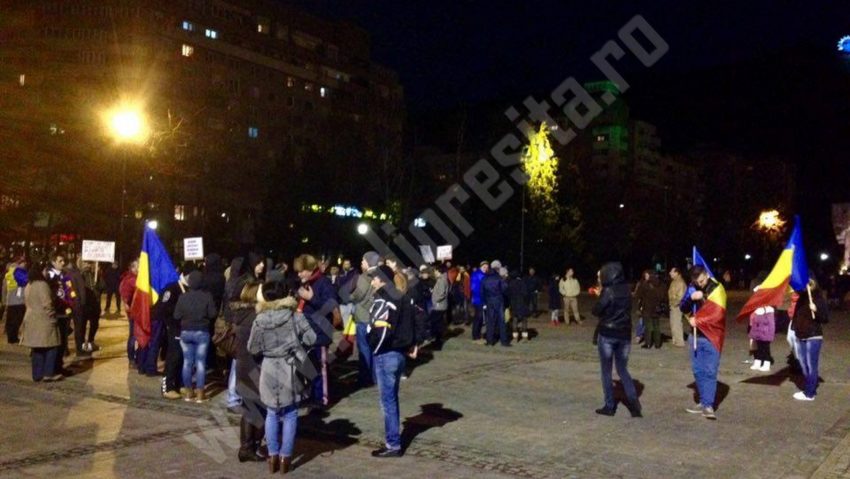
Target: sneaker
(695, 409)
(604, 411)
(525, 335)
(386, 452)
(708, 413)
(801, 396)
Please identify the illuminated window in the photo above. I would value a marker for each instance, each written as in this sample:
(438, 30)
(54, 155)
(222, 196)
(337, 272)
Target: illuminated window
(253, 132)
(22, 79)
(600, 138)
(308, 86)
(187, 50)
(180, 212)
(263, 25)
(188, 26)
(323, 92)
(290, 82)
(211, 34)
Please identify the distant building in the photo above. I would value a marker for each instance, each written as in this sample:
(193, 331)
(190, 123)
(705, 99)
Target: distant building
(252, 102)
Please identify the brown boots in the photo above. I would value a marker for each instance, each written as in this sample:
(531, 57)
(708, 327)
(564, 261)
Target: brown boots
(282, 463)
(200, 396)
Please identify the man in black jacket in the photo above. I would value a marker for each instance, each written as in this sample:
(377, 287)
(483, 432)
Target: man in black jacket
(614, 337)
(390, 336)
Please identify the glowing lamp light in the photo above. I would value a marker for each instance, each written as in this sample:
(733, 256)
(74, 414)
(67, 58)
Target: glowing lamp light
(362, 229)
(844, 44)
(152, 224)
(127, 125)
(770, 221)
(824, 256)
(748, 257)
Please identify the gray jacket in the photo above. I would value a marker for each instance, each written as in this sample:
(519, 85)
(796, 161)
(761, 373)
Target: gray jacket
(278, 333)
(440, 294)
(362, 298)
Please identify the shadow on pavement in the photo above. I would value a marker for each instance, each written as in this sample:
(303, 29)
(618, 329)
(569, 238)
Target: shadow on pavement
(330, 436)
(620, 393)
(432, 415)
(776, 379)
(722, 392)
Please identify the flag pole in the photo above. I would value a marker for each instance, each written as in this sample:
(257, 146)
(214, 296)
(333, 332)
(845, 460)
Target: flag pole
(694, 306)
(811, 301)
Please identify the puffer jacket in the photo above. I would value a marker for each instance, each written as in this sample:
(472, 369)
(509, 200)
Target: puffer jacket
(615, 303)
(440, 294)
(280, 335)
(475, 287)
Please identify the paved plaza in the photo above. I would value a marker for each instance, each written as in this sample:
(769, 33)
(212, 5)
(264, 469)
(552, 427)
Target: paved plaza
(468, 411)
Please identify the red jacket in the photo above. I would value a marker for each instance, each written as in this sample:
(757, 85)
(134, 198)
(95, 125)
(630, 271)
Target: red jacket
(127, 287)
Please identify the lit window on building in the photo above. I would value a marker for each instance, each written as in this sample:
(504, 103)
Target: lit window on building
(600, 138)
(263, 26)
(308, 86)
(22, 79)
(211, 34)
(290, 82)
(187, 50)
(323, 92)
(56, 129)
(188, 26)
(180, 212)
(253, 132)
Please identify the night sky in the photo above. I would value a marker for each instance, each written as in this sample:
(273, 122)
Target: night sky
(448, 52)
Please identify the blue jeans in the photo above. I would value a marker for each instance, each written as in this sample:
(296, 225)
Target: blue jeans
(288, 416)
(705, 364)
(366, 376)
(478, 321)
(146, 357)
(233, 399)
(44, 362)
(808, 353)
(388, 369)
(616, 351)
(194, 345)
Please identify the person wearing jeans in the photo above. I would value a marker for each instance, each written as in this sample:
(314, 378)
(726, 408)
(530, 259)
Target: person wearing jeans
(39, 331)
(809, 316)
(233, 399)
(195, 310)
(281, 440)
(614, 337)
(705, 306)
(390, 336)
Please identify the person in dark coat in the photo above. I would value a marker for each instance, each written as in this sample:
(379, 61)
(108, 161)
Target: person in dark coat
(317, 300)
(518, 300)
(614, 337)
(533, 286)
(111, 281)
(241, 314)
(213, 278)
(554, 299)
(650, 296)
(493, 288)
(40, 331)
(164, 312)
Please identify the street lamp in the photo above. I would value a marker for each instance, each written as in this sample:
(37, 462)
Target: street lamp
(824, 256)
(362, 229)
(770, 222)
(126, 124)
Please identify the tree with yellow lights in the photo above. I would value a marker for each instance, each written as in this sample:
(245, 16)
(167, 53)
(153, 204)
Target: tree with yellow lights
(541, 165)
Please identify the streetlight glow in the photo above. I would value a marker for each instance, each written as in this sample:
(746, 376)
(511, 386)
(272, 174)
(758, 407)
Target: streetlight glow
(153, 224)
(127, 124)
(747, 257)
(362, 229)
(770, 221)
(824, 256)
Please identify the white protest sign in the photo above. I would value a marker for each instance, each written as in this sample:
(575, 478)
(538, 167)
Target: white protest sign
(444, 252)
(193, 248)
(427, 254)
(101, 251)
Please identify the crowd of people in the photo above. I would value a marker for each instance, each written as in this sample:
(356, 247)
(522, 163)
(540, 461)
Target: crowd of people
(271, 327)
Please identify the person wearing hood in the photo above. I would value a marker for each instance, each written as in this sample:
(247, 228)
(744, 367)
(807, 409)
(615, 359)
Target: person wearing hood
(493, 288)
(650, 295)
(243, 270)
(195, 310)
(13, 296)
(317, 300)
(213, 278)
(280, 333)
(362, 299)
(390, 335)
(614, 337)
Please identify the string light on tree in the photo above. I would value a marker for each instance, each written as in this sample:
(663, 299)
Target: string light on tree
(541, 165)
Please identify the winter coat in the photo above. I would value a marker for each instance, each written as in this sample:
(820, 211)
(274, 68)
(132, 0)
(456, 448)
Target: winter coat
(475, 287)
(213, 278)
(362, 298)
(676, 292)
(242, 316)
(440, 294)
(195, 309)
(804, 326)
(569, 287)
(63, 292)
(347, 283)
(392, 322)
(319, 309)
(518, 297)
(493, 289)
(39, 327)
(280, 335)
(650, 295)
(163, 310)
(615, 303)
(112, 279)
(13, 287)
(533, 284)
(127, 287)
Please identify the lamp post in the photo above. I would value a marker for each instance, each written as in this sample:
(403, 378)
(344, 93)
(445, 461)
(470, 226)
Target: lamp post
(127, 125)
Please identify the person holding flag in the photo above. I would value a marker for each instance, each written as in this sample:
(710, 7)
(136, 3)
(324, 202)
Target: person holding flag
(705, 307)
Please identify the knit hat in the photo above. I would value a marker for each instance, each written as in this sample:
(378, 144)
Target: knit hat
(496, 264)
(372, 258)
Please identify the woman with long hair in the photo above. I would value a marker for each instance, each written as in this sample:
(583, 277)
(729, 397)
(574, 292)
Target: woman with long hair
(40, 330)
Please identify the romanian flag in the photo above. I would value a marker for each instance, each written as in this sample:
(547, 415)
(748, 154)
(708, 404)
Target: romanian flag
(790, 270)
(697, 260)
(156, 272)
(711, 315)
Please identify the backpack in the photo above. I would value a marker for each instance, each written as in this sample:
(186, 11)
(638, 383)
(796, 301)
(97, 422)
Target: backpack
(763, 324)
